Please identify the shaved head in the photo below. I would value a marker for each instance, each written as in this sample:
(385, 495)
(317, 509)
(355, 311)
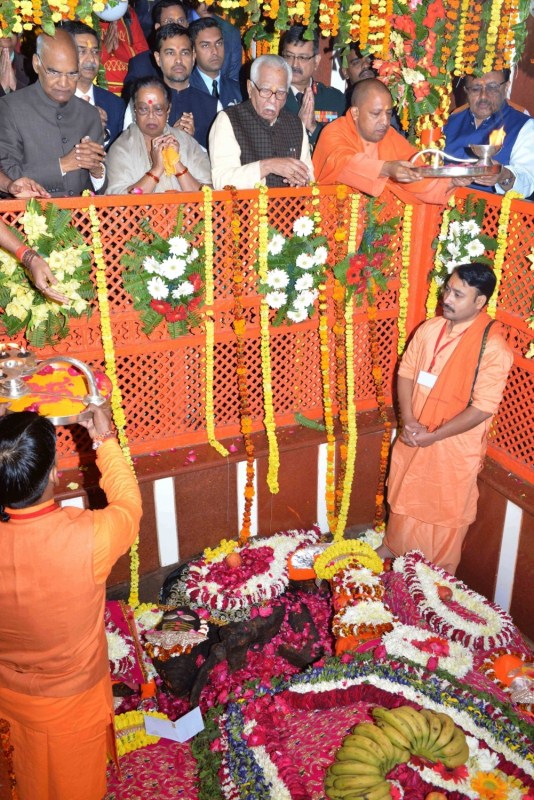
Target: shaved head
(367, 88)
(61, 41)
(56, 65)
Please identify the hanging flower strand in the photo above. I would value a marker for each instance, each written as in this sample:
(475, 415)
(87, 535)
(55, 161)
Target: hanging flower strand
(432, 297)
(502, 244)
(111, 371)
(404, 285)
(269, 421)
(210, 322)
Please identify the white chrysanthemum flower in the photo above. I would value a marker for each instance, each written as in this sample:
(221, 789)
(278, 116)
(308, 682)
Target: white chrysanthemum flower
(455, 229)
(321, 254)
(439, 280)
(117, 648)
(303, 226)
(306, 299)
(185, 289)
(276, 244)
(157, 288)
(475, 248)
(305, 261)
(304, 282)
(471, 227)
(172, 268)
(299, 315)
(193, 255)
(454, 249)
(276, 299)
(412, 76)
(277, 279)
(151, 265)
(178, 246)
(368, 612)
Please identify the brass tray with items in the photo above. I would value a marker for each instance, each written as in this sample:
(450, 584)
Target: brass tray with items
(461, 168)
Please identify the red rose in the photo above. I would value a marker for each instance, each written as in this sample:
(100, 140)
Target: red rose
(161, 306)
(196, 280)
(194, 303)
(177, 314)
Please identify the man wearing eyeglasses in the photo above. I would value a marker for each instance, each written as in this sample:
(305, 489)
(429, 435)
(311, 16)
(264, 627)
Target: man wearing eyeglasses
(315, 103)
(258, 140)
(488, 110)
(48, 134)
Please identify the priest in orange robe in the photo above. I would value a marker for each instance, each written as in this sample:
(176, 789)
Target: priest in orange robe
(450, 383)
(55, 687)
(363, 151)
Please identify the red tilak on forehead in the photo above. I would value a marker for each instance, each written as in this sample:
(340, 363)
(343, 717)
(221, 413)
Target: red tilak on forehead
(150, 102)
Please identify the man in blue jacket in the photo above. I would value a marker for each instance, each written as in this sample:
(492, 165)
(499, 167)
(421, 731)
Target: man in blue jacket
(208, 44)
(487, 111)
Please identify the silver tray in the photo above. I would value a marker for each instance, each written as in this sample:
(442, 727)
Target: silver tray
(459, 170)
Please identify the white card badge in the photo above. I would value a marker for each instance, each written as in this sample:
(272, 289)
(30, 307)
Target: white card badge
(426, 379)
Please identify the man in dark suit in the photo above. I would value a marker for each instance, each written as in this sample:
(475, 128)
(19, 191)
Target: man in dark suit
(48, 134)
(110, 107)
(208, 44)
(233, 49)
(192, 110)
(315, 103)
(14, 69)
(144, 64)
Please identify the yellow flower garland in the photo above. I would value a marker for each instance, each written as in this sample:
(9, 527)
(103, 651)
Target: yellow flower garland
(459, 54)
(432, 298)
(269, 420)
(210, 322)
(491, 38)
(502, 244)
(351, 549)
(404, 285)
(351, 422)
(111, 371)
(130, 731)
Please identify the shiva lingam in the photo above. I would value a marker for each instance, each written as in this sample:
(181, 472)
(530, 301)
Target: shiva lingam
(18, 363)
(483, 165)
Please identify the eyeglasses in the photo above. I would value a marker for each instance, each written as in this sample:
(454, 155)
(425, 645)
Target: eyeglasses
(264, 92)
(297, 59)
(490, 88)
(146, 111)
(55, 75)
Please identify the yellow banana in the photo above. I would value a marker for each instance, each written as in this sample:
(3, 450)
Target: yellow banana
(456, 759)
(358, 754)
(417, 723)
(447, 731)
(379, 792)
(398, 739)
(374, 733)
(434, 723)
(456, 744)
(400, 725)
(356, 783)
(402, 755)
(352, 768)
(372, 747)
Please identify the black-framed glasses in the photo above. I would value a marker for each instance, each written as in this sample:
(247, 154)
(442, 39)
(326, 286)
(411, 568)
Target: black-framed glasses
(490, 88)
(264, 92)
(146, 111)
(56, 75)
(298, 59)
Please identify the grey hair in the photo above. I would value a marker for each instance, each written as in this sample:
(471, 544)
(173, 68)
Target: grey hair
(275, 62)
(41, 40)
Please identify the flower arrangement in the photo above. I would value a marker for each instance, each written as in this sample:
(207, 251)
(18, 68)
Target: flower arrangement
(166, 278)
(49, 232)
(364, 270)
(295, 269)
(461, 239)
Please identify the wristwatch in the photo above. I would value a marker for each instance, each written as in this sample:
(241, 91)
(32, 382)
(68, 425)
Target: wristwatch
(506, 182)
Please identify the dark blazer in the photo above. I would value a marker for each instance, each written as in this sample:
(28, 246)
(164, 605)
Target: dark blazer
(35, 132)
(203, 107)
(329, 105)
(114, 108)
(233, 49)
(23, 72)
(140, 66)
(229, 91)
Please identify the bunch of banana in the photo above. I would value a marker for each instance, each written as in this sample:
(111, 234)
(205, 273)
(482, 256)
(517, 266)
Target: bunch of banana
(362, 763)
(428, 734)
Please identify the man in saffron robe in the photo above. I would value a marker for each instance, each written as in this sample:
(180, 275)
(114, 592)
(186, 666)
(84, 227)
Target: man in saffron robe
(450, 383)
(362, 150)
(55, 687)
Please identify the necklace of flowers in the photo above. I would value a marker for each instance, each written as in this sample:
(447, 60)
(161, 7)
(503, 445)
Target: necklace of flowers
(485, 625)
(269, 420)
(130, 731)
(239, 325)
(204, 586)
(367, 618)
(110, 360)
(209, 321)
(403, 277)
(355, 582)
(341, 553)
(502, 244)
(352, 431)
(428, 650)
(330, 486)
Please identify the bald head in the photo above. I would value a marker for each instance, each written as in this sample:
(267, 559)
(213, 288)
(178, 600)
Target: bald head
(369, 87)
(56, 64)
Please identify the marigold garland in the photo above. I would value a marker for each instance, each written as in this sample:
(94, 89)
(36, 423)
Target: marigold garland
(119, 417)
(460, 42)
(491, 38)
(269, 420)
(331, 560)
(403, 277)
(351, 421)
(209, 322)
(432, 297)
(130, 731)
(502, 244)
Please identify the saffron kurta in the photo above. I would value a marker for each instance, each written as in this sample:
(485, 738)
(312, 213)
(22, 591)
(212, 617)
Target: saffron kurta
(55, 688)
(342, 156)
(432, 491)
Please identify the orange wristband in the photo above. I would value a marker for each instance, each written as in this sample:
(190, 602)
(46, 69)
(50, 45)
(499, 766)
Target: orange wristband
(151, 174)
(179, 174)
(19, 252)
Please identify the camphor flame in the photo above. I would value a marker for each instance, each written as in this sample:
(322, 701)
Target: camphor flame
(496, 138)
